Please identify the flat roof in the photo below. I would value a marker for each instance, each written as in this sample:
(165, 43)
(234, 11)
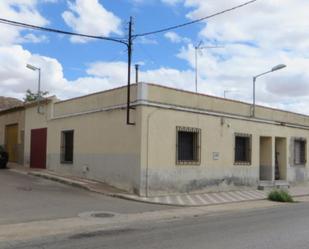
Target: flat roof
(17, 108)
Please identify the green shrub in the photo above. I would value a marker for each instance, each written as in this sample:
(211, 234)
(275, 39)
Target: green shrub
(280, 196)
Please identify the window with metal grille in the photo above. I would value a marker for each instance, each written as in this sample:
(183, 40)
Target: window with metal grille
(242, 149)
(299, 151)
(67, 142)
(188, 145)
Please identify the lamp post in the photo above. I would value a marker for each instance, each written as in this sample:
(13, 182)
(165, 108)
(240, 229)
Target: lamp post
(197, 48)
(275, 68)
(33, 68)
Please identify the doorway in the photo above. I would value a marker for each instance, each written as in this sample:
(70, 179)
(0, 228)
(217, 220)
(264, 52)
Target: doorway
(266, 152)
(38, 148)
(280, 158)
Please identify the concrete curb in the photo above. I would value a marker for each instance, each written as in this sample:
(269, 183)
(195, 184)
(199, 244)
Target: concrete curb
(183, 205)
(84, 186)
(132, 198)
(59, 179)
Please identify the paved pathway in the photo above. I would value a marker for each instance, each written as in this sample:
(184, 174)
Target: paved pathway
(205, 199)
(202, 199)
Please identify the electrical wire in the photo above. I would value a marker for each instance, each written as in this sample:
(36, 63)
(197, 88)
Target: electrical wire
(30, 26)
(119, 40)
(195, 21)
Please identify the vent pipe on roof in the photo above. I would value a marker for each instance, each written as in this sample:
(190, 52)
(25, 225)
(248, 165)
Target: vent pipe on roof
(136, 73)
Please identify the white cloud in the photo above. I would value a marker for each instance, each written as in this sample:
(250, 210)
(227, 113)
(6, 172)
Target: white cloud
(171, 2)
(90, 17)
(273, 23)
(256, 38)
(15, 78)
(116, 72)
(22, 11)
(147, 40)
(32, 38)
(175, 38)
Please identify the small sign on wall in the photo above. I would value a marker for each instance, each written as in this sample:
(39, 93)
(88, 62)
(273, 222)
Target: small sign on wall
(215, 155)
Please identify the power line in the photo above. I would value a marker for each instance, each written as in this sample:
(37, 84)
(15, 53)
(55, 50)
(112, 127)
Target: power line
(195, 21)
(119, 40)
(30, 26)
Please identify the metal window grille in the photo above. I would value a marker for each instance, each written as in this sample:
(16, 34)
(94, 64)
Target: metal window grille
(188, 145)
(67, 146)
(300, 151)
(242, 149)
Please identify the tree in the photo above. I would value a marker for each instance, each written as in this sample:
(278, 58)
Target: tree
(30, 96)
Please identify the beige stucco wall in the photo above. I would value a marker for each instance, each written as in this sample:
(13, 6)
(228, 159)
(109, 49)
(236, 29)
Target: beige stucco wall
(160, 174)
(142, 158)
(176, 97)
(105, 148)
(94, 102)
(35, 120)
(159, 152)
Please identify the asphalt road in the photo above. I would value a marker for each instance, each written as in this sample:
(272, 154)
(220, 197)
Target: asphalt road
(283, 227)
(26, 198)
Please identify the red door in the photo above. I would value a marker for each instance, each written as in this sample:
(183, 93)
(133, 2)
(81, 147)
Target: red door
(38, 148)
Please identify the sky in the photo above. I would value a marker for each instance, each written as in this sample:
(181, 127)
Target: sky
(250, 41)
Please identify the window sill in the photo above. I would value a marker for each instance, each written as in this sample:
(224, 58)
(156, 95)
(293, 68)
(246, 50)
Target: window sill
(242, 163)
(64, 162)
(188, 163)
(299, 165)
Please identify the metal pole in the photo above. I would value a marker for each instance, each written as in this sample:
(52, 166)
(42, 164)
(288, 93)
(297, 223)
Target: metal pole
(39, 90)
(196, 69)
(136, 72)
(253, 108)
(129, 71)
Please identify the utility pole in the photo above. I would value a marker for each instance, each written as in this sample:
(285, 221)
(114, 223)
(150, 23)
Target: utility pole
(129, 44)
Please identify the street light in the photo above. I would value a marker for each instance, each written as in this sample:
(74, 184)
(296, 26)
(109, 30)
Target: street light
(200, 47)
(275, 68)
(33, 68)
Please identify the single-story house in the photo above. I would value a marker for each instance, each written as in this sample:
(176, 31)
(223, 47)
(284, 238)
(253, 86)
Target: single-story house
(181, 141)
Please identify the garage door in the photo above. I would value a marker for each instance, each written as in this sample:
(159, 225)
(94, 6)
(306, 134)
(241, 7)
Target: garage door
(11, 142)
(38, 148)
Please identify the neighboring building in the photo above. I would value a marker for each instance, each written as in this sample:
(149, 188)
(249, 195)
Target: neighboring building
(6, 103)
(181, 141)
(11, 134)
(12, 122)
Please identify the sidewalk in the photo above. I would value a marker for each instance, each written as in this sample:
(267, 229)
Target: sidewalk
(90, 185)
(201, 199)
(205, 199)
